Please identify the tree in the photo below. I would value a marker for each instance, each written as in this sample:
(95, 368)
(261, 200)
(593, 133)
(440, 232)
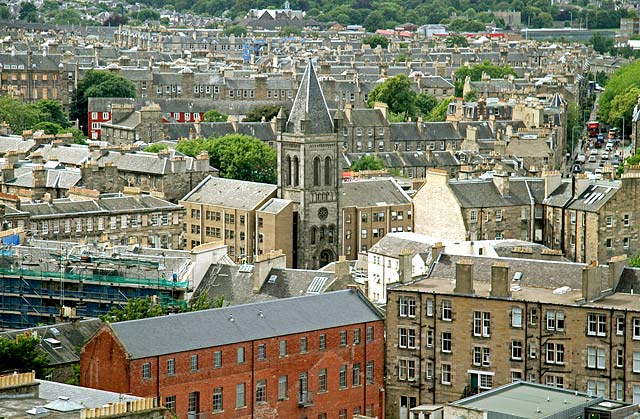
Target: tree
(147, 14)
(18, 115)
(291, 31)
(374, 21)
(466, 25)
(235, 30)
(621, 82)
(67, 17)
(23, 354)
(397, 93)
(49, 128)
(476, 71)
(368, 162)
(155, 148)
(145, 307)
(634, 262)
(268, 112)
(439, 113)
(5, 12)
(236, 156)
(601, 43)
(622, 107)
(471, 96)
(425, 103)
(51, 111)
(28, 12)
(214, 116)
(375, 40)
(457, 40)
(98, 83)
(78, 135)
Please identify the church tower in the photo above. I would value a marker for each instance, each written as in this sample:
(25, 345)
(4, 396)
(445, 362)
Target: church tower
(309, 174)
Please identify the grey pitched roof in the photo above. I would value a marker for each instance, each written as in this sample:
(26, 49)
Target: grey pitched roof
(536, 273)
(311, 105)
(89, 397)
(71, 337)
(595, 196)
(222, 326)
(629, 280)
(230, 193)
(484, 193)
(285, 283)
(372, 193)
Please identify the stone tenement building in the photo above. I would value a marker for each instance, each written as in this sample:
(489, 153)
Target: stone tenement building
(116, 218)
(318, 356)
(561, 324)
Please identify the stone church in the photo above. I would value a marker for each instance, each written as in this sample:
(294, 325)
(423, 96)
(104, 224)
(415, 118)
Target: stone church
(309, 173)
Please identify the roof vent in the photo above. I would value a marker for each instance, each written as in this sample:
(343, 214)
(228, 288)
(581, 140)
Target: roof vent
(230, 317)
(260, 313)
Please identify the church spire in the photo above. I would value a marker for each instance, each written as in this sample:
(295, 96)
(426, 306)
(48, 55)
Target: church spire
(309, 113)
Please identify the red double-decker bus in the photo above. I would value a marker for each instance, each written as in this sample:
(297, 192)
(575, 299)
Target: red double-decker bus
(593, 127)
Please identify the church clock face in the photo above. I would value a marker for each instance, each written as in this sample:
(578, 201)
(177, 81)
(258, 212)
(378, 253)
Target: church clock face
(323, 213)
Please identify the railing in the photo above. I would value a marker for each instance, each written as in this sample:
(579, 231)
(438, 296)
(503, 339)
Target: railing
(305, 398)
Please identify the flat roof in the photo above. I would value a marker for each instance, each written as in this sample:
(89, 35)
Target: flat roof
(527, 400)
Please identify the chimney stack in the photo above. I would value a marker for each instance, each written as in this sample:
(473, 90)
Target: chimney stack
(500, 286)
(464, 277)
(501, 180)
(591, 283)
(406, 266)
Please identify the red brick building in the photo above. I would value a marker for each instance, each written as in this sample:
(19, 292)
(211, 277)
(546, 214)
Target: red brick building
(317, 356)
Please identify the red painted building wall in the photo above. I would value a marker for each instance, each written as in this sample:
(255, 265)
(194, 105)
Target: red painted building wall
(95, 119)
(366, 397)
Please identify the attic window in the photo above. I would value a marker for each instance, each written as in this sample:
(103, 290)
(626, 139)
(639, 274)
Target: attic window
(272, 279)
(316, 285)
(517, 276)
(55, 343)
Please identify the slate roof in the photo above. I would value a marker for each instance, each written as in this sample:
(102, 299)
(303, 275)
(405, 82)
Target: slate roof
(536, 273)
(72, 337)
(434, 131)
(310, 104)
(372, 193)
(106, 205)
(287, 283)
(629, 280)
(222, 326)
(15, 143)
(484, 193)
(395, 243)
(68, 154)
(230, 193)
(55, 178)
(595, 196)
(88, 397)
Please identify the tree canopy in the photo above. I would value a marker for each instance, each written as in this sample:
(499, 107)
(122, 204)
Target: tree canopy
(98, 83)
(23, 354)
(236, 156)
(214, 116)
(475, 73)
(397, 93)
(155, 147)
(142, 308)
(375, 40)
(617, 99)
(268, 112)
(44, 115)
(368, 162)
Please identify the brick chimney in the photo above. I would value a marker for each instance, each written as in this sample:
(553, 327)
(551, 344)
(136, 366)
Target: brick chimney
(464, 277)
(552, 180)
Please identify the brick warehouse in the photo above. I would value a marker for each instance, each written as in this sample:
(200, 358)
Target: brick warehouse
(312, 356)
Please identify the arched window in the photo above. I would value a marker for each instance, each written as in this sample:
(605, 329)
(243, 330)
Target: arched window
(296, 171)
(316, 171)
(328, 174)
(314, 232)
(331, 231)
(321, 233)
(287, 171)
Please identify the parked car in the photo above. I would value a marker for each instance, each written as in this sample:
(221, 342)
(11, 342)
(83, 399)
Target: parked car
(577, 168)
(592, 158)
(581, 158)
(605, 156)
